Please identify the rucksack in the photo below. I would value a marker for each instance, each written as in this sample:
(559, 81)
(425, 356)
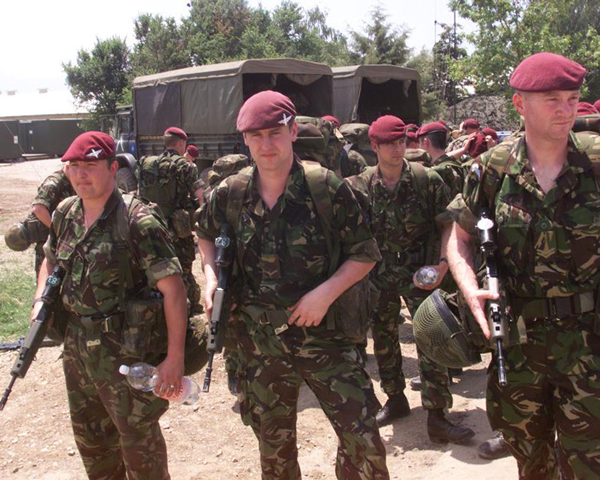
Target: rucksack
(158, 183)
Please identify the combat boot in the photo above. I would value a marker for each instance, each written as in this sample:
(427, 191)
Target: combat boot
(440, 430)
(416, 383)
(494, 447)
(396, 407)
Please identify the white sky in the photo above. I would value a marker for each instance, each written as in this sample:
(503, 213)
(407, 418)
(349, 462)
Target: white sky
(37, 36)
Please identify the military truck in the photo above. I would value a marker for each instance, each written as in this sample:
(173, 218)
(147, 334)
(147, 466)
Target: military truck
(363, 93)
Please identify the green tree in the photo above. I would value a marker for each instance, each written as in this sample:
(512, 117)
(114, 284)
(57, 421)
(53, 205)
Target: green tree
(446, 51)
(381, 43)
(160, 45)
(507, 31)
(100, 77)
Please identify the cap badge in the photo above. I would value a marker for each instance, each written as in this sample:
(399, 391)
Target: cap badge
(285, 120)
(94, 153)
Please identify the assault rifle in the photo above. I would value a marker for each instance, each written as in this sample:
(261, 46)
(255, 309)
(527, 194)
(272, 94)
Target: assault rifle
(9, 346)
(221, 301)
(497, 317)
(37, 331)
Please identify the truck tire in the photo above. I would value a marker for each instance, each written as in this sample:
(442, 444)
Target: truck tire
(125, 180)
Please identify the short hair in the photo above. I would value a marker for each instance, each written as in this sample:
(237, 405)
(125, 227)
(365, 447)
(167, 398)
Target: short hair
(171, 140)
(437, 139)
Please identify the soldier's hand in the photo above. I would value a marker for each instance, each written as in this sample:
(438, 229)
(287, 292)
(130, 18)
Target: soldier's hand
(170, 373)
(209, 293)
(310, 309)
(37, 306)
(476, 300)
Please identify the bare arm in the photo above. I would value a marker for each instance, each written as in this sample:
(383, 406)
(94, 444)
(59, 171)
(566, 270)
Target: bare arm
(175, 305)
(198, 195)
(42, 214)
(312, 307)
(45, 271)
(207, 253)
(460, 258)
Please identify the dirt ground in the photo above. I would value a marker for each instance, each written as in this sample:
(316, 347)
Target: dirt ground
(208, 440)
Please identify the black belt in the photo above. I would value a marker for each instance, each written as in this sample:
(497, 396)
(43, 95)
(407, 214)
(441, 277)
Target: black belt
(554, 307)
(106, 324)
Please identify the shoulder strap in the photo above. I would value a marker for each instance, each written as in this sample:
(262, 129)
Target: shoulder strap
(237, 192)
(61, 211)
(422, 180)
(120, 232)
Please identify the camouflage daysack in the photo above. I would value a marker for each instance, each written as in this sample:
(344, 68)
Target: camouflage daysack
(157, 182)
(222, 168)
(350, 313)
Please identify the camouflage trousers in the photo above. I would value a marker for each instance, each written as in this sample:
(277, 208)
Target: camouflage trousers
(116, 427)
(185, 249)
(552, 400)
(434, 378)
(275, 366)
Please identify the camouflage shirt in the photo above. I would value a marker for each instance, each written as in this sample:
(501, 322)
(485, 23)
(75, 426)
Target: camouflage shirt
(547, 243)
(282, 251)
(53, 190)
(91, 260)
(403, 222)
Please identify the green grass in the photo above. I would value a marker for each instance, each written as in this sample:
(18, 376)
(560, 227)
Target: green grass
(17, 287)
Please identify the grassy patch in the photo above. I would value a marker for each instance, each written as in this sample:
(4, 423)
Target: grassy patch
(17, 287)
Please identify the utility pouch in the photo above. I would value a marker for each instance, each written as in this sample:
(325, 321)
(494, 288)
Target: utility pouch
(350, 314)
(145, 329)
(181, 222)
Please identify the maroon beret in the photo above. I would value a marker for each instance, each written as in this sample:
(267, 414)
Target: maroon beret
(471, 123)
(545, 71)
(178, 132)
(585, 108)
(411, 127)
(412, 136)
(597, 105)
(387, 129)
(193, 151)
(334, 121)
(432, 128)
(478, 145)
(267, 109)
(90, 146)
(491, 132)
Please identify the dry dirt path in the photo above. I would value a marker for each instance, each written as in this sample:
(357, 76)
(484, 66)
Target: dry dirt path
(208, 441)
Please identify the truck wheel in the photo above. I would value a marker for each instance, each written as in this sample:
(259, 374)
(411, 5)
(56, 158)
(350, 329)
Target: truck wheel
(126, 180)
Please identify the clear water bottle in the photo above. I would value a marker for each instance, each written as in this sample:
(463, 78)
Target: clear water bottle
(144, 377)
(425, 276)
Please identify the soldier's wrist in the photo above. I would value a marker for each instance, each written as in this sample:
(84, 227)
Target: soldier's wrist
(36, 300)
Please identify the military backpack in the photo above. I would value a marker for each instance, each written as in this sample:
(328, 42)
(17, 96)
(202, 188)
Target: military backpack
(157, 182)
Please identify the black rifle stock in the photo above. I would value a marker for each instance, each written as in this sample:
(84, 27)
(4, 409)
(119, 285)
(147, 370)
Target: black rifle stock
(37, 331)
(221, 301)
(497, 318)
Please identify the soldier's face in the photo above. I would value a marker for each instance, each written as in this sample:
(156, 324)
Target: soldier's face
(271, 148)
(548, 115)
(92, 179)
(390, 154)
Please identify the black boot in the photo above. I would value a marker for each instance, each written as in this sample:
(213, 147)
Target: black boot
(494, 447)
(416, 383)
(396, 407)
(440, 430)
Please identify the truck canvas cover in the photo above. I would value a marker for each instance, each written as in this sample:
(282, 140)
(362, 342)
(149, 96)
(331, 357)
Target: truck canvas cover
(205, 100)
(363, 93)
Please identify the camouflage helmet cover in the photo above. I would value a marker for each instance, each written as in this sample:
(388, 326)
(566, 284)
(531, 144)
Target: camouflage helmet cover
(440, 335)
(16, 237)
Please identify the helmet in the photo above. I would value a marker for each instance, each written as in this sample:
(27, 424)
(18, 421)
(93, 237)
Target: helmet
(16, 237)
(439, 333)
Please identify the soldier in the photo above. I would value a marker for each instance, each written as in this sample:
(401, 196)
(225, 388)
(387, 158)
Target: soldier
(402, 201)
(172, 182)
(191, 153)
(542, 189)
(467, 128)
(116, 427)
(286, 292)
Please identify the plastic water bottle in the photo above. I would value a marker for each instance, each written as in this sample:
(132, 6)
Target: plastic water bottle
(142, 376)
(425, 276)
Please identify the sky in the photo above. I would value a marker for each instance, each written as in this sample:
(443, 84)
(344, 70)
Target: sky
(37, 36)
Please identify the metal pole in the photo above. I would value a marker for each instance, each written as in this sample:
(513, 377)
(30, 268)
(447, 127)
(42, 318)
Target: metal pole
(454, 82)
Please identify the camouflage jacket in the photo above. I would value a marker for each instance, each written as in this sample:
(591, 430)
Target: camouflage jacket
(91, 260)
(418, 155)
(53, 190)
(547, 243)
(403, 222)
(282, 252)
(457, 143)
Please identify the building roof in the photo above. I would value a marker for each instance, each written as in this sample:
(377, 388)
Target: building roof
(39, 105)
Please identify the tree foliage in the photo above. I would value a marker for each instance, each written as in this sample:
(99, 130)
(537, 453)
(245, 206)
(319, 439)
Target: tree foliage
(381, 42)
(507, 31)
(100, 76)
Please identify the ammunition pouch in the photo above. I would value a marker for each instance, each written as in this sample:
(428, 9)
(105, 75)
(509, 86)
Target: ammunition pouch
(182, 223)
(350, 314)
(145, 328)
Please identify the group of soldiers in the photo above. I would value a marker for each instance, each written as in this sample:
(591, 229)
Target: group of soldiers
(318, 229)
